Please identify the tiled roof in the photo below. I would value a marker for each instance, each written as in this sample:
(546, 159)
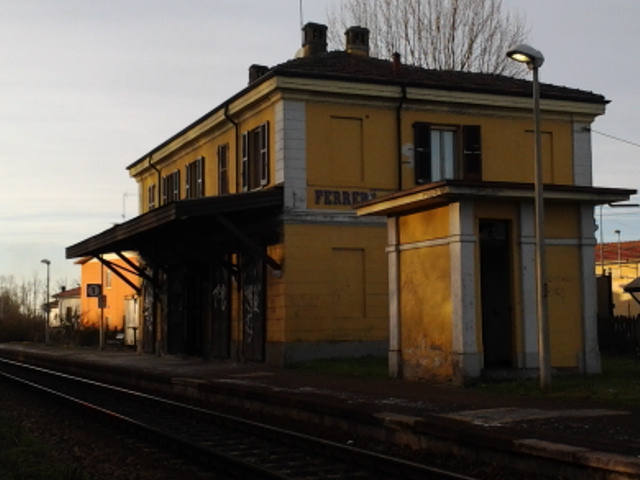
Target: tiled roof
(69, 293)
(629, 252)
(340, 65)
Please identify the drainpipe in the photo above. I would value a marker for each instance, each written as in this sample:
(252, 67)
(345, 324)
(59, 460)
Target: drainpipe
(238, 163)
(158, 332)
(159, 181)
(399, 133)
(397, 70)
(237, 129)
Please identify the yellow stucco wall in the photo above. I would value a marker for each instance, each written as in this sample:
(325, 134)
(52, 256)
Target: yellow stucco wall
(565, 305)
(275, 298)
(425, 294)
(335, 281)
(351, 154)
(507, 144)
(206, 146)
(565, 298)
(350, 146)
(425, 286)
(425, 225)
(352, 150)
(116, 293)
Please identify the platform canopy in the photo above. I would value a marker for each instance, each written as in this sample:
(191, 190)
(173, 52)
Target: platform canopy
(194, 229)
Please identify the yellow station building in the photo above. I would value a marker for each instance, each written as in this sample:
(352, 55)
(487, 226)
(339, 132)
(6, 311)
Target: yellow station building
(253, 250)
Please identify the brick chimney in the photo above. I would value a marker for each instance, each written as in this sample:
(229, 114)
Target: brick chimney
(257, 71)
(357, 40)
(397, 63)
(314, 39)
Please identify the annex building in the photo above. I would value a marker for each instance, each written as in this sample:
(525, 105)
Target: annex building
(252, 248)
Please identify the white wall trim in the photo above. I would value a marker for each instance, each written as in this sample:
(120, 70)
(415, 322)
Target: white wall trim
(529, 357)
(290, 152)
(395, 334)
(590, 363)
(462, 245)
(582, 155)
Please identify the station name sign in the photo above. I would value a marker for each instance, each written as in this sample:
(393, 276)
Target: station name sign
(341, 198)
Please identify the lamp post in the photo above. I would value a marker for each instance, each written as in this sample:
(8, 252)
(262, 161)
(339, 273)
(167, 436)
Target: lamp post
(47, 304)
(534, 60)
(617, 232)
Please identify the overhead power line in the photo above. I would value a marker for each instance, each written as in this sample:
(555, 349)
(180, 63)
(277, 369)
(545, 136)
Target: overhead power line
(629, 142)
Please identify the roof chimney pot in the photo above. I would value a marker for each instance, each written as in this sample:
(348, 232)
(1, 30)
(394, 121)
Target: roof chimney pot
(397, 64)
(314, 39)
(257, 71)
(357, 40)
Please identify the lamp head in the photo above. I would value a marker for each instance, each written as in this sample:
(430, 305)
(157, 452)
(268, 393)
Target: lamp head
(526, 54)
(45, 261)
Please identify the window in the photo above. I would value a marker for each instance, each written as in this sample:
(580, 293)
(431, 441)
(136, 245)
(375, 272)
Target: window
(171, 187)
(151, 196)
(223, 169)
(441, 154)
(255, 157)
(194, 187)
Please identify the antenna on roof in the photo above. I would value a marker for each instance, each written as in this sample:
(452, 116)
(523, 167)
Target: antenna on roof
(301, 16)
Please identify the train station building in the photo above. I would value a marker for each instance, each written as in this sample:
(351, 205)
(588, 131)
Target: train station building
(252, 246)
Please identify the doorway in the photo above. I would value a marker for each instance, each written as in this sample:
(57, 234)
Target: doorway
(252, 278)
(221, 310)
(495, 287)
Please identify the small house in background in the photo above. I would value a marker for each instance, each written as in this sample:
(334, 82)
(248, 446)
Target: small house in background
(67, 308)
(114, 305)
(617, 266)
(50, 311)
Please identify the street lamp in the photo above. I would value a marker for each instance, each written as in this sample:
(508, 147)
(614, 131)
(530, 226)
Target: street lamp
(534, 60)
(617, 232)
(47, 304)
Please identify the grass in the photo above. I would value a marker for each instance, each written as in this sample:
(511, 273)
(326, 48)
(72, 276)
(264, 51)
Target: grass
(24, 458)
(619, 382)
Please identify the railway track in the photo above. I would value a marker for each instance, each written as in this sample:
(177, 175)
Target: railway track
(218, 442)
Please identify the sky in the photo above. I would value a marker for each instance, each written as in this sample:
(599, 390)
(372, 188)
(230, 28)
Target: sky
(89, 86)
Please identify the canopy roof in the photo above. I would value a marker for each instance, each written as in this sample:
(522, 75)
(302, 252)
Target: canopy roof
(193, 229)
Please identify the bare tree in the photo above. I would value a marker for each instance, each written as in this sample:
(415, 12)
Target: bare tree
(465, 35)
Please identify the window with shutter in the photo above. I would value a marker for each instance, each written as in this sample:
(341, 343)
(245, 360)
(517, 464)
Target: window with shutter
(194, 185)
(472, 152)
(440, 153)
(422, 153)
(245, 161)
(264, 154)
(151, 197)
(223, 169)
(255, 158)
(171, 187)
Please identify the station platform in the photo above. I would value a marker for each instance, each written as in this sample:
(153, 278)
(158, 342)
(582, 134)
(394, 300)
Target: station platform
(572, 437)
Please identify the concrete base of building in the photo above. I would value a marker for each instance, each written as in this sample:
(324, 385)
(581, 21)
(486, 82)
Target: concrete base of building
(281, 354)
